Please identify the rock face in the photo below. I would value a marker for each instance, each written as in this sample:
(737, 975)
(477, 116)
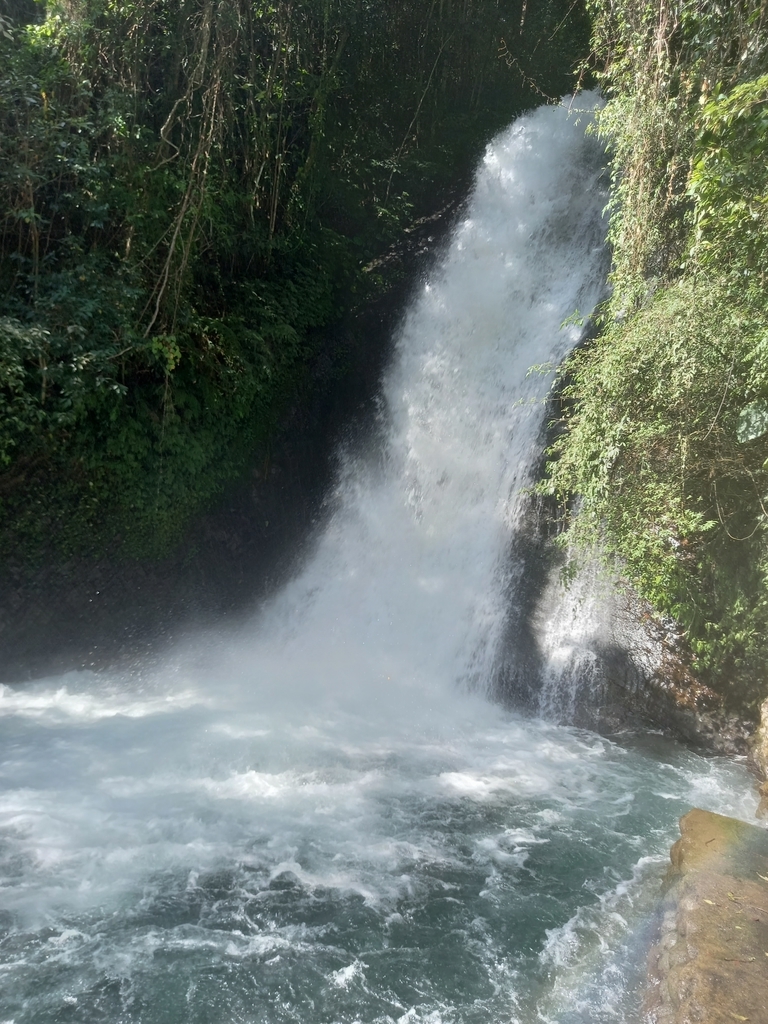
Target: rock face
(589, 651)
(760, 742)
(710, 965)
(759, 756)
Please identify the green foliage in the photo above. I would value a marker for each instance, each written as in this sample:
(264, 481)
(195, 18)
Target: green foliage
(658, 64)
(665, 475)
(21, 413)
(729, 183)
(188, 191)
(666, 413)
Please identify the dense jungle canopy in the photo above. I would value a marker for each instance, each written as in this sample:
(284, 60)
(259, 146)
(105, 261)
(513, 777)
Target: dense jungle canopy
(189, 192)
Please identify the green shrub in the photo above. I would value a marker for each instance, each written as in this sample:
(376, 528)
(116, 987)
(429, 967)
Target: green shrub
(662, 458)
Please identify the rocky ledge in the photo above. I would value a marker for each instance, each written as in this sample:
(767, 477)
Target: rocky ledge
(710, 965)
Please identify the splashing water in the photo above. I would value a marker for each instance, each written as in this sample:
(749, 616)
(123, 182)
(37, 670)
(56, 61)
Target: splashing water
(321, 818)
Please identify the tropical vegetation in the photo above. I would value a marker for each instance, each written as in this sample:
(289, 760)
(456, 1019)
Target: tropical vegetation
(190, 191)
(664, 436)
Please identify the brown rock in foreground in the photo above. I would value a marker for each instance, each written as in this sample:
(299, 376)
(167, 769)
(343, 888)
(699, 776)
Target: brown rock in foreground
(760, 741)
(710, 965)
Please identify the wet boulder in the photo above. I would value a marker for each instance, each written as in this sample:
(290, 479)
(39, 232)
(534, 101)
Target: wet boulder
(710, 965)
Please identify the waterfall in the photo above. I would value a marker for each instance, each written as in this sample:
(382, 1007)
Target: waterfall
(411, 576)
(320, 816)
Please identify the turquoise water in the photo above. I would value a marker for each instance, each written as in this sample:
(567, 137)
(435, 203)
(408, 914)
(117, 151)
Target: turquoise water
(172, 861)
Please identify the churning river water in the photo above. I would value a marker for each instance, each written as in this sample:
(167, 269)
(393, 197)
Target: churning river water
(321, 818)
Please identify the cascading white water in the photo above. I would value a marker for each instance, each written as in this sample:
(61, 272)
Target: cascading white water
(321, 818)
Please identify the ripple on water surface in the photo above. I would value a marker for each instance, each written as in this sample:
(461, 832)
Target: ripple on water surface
(455, 868)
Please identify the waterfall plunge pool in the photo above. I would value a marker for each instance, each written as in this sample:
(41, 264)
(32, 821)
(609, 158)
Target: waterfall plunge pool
(319, 817)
